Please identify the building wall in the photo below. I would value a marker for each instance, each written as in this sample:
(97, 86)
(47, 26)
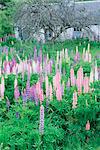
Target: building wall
(68, 34)
(95, 35)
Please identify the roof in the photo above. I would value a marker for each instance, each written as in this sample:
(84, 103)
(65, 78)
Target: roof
(92, 8)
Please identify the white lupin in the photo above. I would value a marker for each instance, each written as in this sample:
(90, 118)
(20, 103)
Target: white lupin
(91, 76)
(96, 72)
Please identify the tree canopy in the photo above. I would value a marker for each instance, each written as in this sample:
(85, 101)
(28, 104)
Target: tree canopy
(6, 21)
(33, 16)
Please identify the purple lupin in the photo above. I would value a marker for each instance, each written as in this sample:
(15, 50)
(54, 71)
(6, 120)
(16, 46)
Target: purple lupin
(16, 93)
(24, 98)
(40, 56)
(41, 127)
(28, 89)
(35, 96)
(8, 104)
(35, 54)
(68, 84)
(17, 115)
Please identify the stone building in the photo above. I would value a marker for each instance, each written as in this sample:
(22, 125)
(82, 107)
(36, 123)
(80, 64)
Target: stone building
(93, 32)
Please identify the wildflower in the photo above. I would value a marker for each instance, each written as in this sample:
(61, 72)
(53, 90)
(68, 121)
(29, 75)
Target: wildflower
(47, 86)
(68, 84)
(24, 98)
(96, 72)
(51, 92)
(41, 97)
(91, 76)
(16, 93)
(83, 55)
(7, 69)
(8, 104)
(38, 87)
(74, 99)
(77, 56)
(57, 57)
(28, 89)
(41, 126)
(87, 126)
(80, 79)
(86, 56)
(40, 56)
(66, 55)
(56, 80)
(17, 115)
(35, 54)
(90, 58)
(59, 93)
(2, 87)
(15, 83)
(72, 77)
(86, 85)
(62, 87)
(88, 47)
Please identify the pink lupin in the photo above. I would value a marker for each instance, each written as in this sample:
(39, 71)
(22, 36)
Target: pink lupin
(74, 100)
(15, 83)
(86, 84)
(23, 70)
(87, 126)
(58, 77)
(77, 56)
(56, 80)
(41, 97)
(81, 74)
(14, 70)
(57, 61)
(7, 68)
(16, 90)
(59, 93)
(68, 84)
(38, 87)
(38, 67)
(47, 86)
(29, 69)
(51, 92)
(72, 77)
(83, 55)
(2, 87)
(80, 80)
(16, 93)
(48, 68)
(54, 83)
(39, 92)
(62, 87)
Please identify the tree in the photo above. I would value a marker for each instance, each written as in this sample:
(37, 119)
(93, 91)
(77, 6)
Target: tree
(6, 23)
(33, 16)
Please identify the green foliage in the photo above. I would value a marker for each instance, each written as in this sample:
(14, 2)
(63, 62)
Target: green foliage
(5, 25)
(86, 67)
(63, 125)
(9, 84)
(6, 21)
(10, 42)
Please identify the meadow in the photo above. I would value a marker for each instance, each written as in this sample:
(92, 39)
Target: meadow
(50, 95)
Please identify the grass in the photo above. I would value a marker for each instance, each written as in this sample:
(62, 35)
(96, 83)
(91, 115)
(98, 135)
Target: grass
(52, 47)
